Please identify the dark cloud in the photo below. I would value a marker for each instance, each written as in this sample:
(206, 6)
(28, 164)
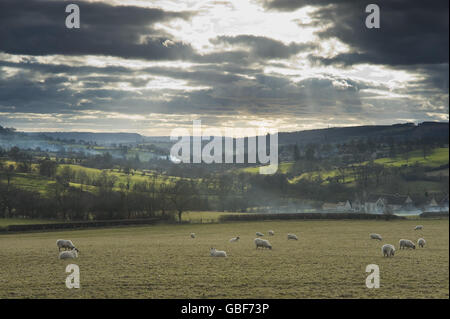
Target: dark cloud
(31, 65)
(71, 89)
(436, 77)
(29, 95)
(408, 34)
(38, 28)
(411, 32)
(413, 36)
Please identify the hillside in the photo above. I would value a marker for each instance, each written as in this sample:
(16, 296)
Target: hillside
(99, 138)
(344, 134)
(35, 182)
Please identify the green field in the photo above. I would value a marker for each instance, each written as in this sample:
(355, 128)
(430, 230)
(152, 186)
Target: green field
(43, 185)
(328, 261)
(283, 168)
(438, 157)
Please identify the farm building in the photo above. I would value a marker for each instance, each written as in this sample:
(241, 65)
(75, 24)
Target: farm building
(389, 203)
(440, 205)
(432, 206)
(348, 206)
(443, 204)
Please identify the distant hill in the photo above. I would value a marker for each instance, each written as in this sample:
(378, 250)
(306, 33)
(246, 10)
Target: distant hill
(434, 130)
(99, 138)
(397, 132)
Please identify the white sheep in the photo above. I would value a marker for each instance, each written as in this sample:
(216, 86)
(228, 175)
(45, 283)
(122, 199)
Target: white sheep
(66, 244)
(388, 250)
(405, 243)
(421, 242)
(263, 243)
(259, 234)
(418, 227)
(376, 236)
(192, 235)
(292, 236)
(234, 239)
(68, 254)
(217, 253)
(271, 233)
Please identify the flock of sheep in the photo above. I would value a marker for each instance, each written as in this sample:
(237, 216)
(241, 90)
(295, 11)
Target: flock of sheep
(388, 250)
(70, 251)
(259, 242)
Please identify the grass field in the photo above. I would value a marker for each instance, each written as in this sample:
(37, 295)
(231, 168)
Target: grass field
(438, 157)
(41, 184)
(283, 168)
(204, 216)
(328, 261)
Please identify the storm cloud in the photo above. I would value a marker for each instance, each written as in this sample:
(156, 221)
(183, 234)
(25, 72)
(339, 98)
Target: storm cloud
(38, 28)
(292, 64)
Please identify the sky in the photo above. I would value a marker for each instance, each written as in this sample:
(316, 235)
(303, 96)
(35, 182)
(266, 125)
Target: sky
(152, 66)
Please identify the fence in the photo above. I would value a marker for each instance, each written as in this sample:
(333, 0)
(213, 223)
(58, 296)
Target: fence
(83, 224)
(433, 214)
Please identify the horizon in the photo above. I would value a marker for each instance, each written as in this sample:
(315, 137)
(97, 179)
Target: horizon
(279, 132)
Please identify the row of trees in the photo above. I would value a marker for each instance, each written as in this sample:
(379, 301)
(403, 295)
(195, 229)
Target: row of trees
(127, 198)
(66, 202)
(362, 149)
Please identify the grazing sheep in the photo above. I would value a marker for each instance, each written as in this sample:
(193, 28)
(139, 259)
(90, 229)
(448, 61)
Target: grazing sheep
(217, 253)
(421, 242)
(271, 233)
(263, 243)
(192, 235)
(418, 227)
(376, 236)
(68, 254)
(388, 250)
(234, 239)
(259, 234)
(405, 243)
(292, 236)
(66, 244)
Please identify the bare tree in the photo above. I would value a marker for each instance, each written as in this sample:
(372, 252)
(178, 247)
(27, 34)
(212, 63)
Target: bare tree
(182, 195)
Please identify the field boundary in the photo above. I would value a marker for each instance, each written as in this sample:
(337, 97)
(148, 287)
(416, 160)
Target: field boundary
(44, 227)
(433, 214)
(312, 216)
(80, 225)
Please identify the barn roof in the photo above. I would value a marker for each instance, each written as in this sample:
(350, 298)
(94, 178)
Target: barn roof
(391, 199)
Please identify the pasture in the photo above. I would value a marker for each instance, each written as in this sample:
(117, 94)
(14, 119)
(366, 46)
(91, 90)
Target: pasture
(328, 261)
(438, 157)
